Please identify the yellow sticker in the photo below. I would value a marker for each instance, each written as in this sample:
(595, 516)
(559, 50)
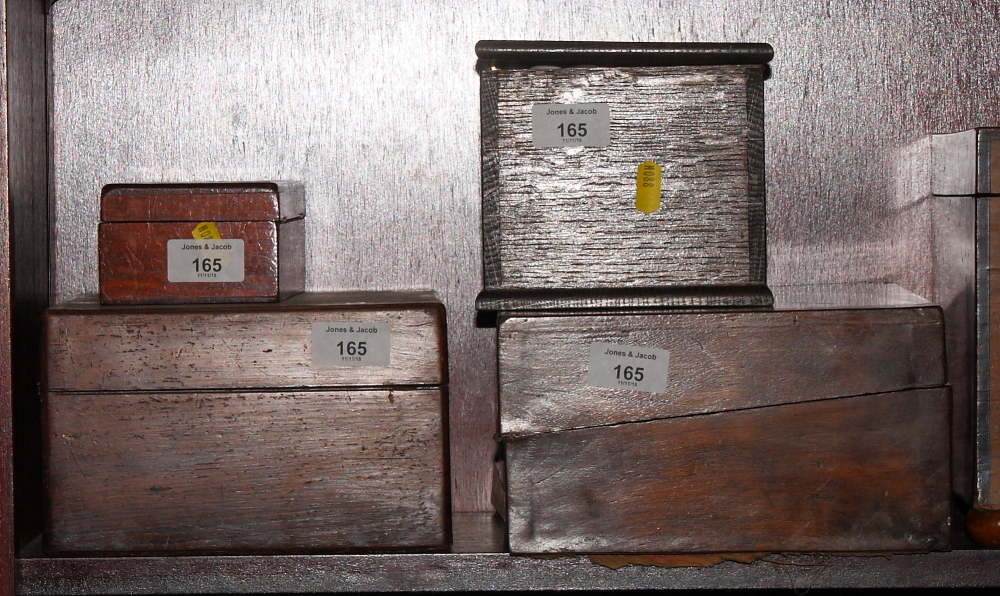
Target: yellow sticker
(647, 187)
(206, 230)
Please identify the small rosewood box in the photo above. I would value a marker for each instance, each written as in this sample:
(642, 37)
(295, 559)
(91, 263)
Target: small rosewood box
(315, 425)
(197, 243)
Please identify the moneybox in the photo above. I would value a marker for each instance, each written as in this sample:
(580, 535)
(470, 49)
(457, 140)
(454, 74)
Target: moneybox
(201, 243)
(622, 174)
(317, 424)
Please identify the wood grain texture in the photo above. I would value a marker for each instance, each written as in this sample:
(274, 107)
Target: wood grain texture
(176, 91)
(29, 275)
(261, 346)
(234, 201)
(718, 361)
(853, 474)
(239, 472)
(566, 217)
(133, 263)
(988, 414)
(488, 572)
(7, 540)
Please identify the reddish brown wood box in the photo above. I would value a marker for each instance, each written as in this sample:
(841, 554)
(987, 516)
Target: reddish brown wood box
(237, 428)
(805, 428)
(201, 243)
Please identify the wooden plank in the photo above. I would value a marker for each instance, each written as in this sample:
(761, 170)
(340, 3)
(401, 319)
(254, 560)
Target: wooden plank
(235, 201)
(718, 361)
(565, 217)
(262, 346)
(240, 472)
(490, 572)
(868, 473)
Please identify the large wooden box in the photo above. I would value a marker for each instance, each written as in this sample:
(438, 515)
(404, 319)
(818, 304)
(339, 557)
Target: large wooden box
(564, 217)
(812, 427)
(201, 243)
(234, 429)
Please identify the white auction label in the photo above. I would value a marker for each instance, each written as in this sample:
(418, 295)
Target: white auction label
(570, 125)
(205, 261)
(627, 367)
(351, 344)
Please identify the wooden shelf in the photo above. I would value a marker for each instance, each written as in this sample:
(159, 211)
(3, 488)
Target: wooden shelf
(476, 564)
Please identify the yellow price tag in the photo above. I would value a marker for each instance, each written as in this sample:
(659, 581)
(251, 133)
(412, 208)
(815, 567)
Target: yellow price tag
(647, 187)
(206, 230)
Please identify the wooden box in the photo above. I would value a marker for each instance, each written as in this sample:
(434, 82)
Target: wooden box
(201, 243)
(805, 428)
(236, 429)
(560, 211)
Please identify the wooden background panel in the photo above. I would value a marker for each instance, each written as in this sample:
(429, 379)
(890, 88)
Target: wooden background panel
(374, 105)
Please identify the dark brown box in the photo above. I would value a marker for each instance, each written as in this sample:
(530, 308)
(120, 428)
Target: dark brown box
(822, 425)
(215, 428)
(139, 264)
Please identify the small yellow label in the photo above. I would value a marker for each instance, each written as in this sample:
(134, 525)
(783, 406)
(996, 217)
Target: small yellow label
(206, 230)
(647, 187)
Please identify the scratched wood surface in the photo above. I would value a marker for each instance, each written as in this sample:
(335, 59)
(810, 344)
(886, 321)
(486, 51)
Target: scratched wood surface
(241, 471)
(107, 348)
(566, 217)
(133, 263)
(851, 474)
(717, 361)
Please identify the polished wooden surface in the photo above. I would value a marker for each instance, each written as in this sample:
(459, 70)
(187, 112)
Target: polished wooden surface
(868, 473)
(234, 201)
(983, 527)
(239, 472)
(718, 361)
(565, 217)
(133, 263)
(257, 346)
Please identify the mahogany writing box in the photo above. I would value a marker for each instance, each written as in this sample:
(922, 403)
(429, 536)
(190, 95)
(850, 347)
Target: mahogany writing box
(315, 425)
(822, 425)
(201, 243)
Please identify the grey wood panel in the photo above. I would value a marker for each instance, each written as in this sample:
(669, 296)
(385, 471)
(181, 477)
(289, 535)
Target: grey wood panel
(718, 361)
(566, 217)
(243, 471)
(489, 572)
(116, 348)
(868, 473)
(324, 92)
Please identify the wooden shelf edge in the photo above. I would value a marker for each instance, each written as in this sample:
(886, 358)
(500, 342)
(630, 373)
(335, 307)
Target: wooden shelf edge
(493, 571)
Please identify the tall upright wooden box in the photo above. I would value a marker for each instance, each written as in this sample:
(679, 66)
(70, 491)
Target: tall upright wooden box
(566, 127)
(316, 425)
(822, 425)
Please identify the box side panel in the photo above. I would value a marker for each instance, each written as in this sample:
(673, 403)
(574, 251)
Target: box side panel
(246, 472)
(756, 189)
(133, 264)
(717, 361)
(490, 141)
(854, 474)
(291, 257)
(127, 349)
(567, 216)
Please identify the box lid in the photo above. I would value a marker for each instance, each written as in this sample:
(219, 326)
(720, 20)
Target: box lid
(507, 54)
(286, 345)
(565, 371)
(226, 201)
